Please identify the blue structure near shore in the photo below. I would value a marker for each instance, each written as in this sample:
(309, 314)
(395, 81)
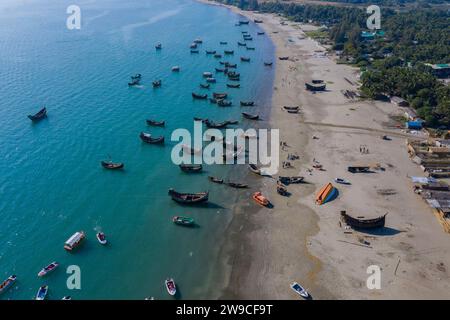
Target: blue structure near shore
(414, 125)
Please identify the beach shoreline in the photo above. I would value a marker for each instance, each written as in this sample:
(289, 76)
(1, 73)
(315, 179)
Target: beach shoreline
(297, 240)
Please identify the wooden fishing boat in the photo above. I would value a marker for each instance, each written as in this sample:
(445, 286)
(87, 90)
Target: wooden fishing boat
(188, 198)
(231, 66)
(195, 51)
(183, 221)
(287, 108)
(291, 180)
(217, 56)
(147, 138)
(243, 22)
(171, 287)
(282, 189)
(191, 167)
(42, 293)
(215, 180)
(260, 33)
(175, 69)
(156, 84)
(216, 125)
(137, 76)
(46, 270)
(235, 78)
(156, 123)
(258, 21)
(250, 48)
(361, 223)
(193, 46)
(232, 121)
(5, 285)
(199, 96)
(229, 52)
(223, 42)
(254, 168)
(211, 80)
(207, 74)
(224, 103)
(315, 87)
(247, 103)
(299, 290)
(250, 116)
(218, 95)
(342, 181)
(268, 63)
(237, 185)
(242, 44)
(245, 59)
(248, 38)
(198, 40)
(74, 241)
(210, 51)
(316, 81)
(101, 238)
(158, 46)
(205, 85)
(234, 86)
(41, 114)
(232, 74)
(111, 165)
(220, 70)
(260, 199)
(283, 58)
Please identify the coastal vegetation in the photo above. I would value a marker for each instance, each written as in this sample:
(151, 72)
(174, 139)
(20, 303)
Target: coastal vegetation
(394, 61)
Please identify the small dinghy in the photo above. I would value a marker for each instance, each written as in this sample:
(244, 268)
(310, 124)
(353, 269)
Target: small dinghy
(223, 42)
(300, 290)
(66, 298)
(245, 59)
(5, 285)
(268, 64)
(341, 181)
(171, 286)
(156, 84)
(210, 51)
(51, 267)
(175, 69)
(101, 238)
(183, 221)
(111, 165)
(234, 86)
(41, 114)
(158, 46)
(228, 52)
(42, 293)
(260, 199)
(199, 96)
(218, 95)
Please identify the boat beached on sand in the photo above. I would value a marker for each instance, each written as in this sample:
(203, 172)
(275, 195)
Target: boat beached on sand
(260, 199)
(46, 270)
(300, 290)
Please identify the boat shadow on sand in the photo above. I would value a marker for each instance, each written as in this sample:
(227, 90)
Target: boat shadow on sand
(381, 232)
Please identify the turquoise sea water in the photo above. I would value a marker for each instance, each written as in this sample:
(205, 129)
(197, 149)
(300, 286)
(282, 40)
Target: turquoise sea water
(51, 182)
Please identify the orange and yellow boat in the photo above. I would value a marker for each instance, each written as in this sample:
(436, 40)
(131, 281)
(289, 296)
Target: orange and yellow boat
(325, 194)
(260, 199)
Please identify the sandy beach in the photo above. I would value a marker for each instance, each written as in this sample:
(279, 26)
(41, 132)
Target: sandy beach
(300, 241)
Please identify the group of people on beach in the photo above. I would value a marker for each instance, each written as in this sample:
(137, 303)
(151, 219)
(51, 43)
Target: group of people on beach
(363, 149)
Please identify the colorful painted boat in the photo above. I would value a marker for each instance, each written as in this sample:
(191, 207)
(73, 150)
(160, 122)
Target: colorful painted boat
(260, 199)
(51, 267)
(42, 293)
(5, 285)
(171, 286)
(325, 194)
(300, 290)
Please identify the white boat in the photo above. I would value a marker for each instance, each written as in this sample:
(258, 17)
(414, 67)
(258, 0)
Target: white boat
(175, 68)
(52, 266)
(171, 286)
(341, 181)
(101, 238)
(5, 285)
(74, 241)
(66, 298)
(300, 290)
(42, 293)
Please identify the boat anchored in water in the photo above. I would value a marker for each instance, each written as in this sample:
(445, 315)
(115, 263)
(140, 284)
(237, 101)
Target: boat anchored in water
(5, 285)
(171, 286)
(74, 241)
(46, 270)
(101, 238)
(183, 221)
(42, 293)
